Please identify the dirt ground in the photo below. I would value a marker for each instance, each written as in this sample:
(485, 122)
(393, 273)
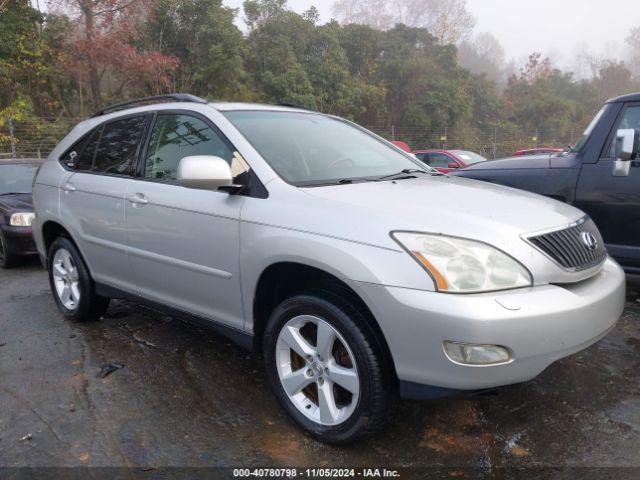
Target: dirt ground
(188, 397)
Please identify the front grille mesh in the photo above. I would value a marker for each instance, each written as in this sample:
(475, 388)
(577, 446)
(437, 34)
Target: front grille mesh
(567, 247)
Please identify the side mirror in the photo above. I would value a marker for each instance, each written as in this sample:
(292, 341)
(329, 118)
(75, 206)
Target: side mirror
(204, 172)
(453, 165)
(627, 140)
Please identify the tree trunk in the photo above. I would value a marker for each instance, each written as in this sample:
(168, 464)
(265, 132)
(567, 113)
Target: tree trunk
(94, 77)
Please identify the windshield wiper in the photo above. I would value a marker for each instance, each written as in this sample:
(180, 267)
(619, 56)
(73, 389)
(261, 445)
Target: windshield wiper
(407, 173)
(15, 193)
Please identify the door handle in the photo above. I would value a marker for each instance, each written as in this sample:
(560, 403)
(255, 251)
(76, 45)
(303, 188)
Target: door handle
(137, 199)
(69, 188)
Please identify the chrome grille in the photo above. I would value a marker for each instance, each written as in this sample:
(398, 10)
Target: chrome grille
(570, 248)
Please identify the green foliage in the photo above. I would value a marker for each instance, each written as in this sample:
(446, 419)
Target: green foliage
(30, 79)
(201, 34)
(403, 76)
(553, 104)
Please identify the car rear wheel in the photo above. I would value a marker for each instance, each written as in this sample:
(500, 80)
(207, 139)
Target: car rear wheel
(326, 369)
(71, 284)
(7, 259)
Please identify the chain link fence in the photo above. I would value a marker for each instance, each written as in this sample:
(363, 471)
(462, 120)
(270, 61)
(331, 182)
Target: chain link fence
(36, 137)
(489, 142)
(32, 138)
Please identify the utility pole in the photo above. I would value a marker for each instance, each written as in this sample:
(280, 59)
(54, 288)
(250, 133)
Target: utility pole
(12, 139)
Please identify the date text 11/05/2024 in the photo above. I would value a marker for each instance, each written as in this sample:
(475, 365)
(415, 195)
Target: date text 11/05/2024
(316, 472)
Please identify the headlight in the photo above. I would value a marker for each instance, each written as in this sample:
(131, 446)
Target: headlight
(457, 265)
(22, 219)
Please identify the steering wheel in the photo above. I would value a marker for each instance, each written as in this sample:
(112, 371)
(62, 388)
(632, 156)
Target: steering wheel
(340, 160)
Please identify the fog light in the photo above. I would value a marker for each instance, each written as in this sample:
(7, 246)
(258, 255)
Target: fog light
(471, 354)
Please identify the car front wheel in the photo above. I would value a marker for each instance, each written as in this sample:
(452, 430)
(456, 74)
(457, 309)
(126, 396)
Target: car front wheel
(7, 259)
(71, 284)
(326, 369)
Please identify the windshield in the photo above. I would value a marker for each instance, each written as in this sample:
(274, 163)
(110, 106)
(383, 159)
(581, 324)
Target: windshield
(468, 157)
(309, 149)
(17, 178)
(585, 136)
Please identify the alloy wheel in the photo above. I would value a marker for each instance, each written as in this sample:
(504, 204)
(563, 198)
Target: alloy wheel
(65, 279)
(317, 370)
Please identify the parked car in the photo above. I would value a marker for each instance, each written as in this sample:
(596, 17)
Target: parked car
(445, 161)
(537, 151)
(318, 243)
(598, 175)
(402, 145)
(16, 211)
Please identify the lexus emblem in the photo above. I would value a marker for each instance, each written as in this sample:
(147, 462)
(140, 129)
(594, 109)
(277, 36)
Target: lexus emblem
(589, 240)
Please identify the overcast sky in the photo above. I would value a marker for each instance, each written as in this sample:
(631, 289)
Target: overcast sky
(558, 28)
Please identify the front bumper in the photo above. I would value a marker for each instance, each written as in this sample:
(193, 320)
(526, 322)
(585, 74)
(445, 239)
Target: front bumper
(19, 240)
(538, 324)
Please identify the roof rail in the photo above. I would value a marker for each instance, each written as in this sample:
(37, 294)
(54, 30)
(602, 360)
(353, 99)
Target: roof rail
(176, 97)
(295, 105)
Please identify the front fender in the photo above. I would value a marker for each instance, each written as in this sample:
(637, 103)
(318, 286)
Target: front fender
(351, 262)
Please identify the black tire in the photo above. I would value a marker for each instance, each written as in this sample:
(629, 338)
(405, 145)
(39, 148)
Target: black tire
(90, 306)
(378, 392)
(7, 259)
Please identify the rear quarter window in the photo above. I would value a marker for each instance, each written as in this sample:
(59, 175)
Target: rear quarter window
(73, 158)
(110, 148)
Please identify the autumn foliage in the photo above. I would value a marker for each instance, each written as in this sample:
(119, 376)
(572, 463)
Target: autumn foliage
(104, 56)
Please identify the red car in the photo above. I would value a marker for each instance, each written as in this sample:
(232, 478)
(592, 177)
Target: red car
(402, 145)
(538, 151)
(446, 160)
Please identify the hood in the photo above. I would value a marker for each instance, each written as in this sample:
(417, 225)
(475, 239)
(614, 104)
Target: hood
(531, 161)
(21, 202)
(368, 212)
(449, 205)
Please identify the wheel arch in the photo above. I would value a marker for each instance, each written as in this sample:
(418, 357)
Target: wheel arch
(283, 279)
(51, 230)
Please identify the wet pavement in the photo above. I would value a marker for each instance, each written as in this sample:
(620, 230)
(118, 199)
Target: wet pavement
(188, 397)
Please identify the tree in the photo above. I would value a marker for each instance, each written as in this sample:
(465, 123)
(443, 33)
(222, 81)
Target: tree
(426, 88)
(536, 68)
(258, 11)
(448, 20)
(31, 77)
(374, 13)
(275, 47)
(102, 50)
(633, 40)
(613, 79)
(483, 55)
(202, 34)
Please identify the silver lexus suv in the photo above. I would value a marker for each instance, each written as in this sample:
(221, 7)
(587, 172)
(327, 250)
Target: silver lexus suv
(360, 274)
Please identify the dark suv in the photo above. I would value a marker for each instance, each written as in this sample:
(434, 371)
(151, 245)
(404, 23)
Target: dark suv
(599, 175)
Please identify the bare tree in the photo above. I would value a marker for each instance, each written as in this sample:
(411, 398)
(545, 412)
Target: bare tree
(633, 40)
(448, 20)
(483, 55)
(375, 13)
